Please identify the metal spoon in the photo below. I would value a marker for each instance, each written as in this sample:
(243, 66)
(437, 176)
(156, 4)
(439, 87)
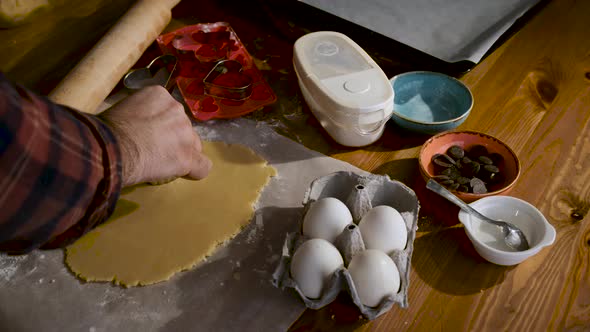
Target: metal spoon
(513, 236)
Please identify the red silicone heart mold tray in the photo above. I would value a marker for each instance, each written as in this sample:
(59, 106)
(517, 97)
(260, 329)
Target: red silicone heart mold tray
(216, 75)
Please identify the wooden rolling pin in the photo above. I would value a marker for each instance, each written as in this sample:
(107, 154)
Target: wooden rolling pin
(94, 77)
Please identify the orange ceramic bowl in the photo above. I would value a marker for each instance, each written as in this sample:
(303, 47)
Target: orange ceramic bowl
(509, 166)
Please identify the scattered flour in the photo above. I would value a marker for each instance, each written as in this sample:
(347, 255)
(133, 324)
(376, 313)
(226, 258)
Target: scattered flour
(257, 228)
(208, 133)
(111, 295)
(9, 266)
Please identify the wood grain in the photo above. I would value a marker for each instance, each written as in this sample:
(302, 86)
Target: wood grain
(40, 54)
(92, 80)
(533, 92)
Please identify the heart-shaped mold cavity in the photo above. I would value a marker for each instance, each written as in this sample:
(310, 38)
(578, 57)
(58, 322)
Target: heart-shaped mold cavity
(227, 80)
(215, 38)
(215, 45)
(208, 105)
(184, 46)
(211, 53)
(203, 46)
(231, 92)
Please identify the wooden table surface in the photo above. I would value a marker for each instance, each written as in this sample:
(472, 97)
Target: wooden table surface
(532, 92)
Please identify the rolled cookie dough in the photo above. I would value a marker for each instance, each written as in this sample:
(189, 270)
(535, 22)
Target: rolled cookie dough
(157, 231)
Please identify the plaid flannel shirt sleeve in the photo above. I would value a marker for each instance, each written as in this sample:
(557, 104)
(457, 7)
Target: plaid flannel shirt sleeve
(60, 171)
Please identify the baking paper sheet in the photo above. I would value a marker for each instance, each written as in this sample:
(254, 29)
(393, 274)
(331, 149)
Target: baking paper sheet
(451, 30)
(231, 291)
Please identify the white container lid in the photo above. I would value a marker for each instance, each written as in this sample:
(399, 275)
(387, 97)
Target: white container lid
(340, 75)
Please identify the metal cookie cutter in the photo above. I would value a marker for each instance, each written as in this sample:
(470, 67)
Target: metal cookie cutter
(227, 80)
(158, 72)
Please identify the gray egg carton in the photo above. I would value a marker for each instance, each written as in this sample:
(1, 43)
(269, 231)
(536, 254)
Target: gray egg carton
(360, 194)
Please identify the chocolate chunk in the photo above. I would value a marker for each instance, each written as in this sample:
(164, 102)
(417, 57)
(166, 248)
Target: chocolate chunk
(443, 160)
(471, 169)
(478, 186)
(456, 152)
(447, 182)
(485, 160)
(462, 180)
(496, 178)
(491, 168)
(452, 172)
(477, 150)
(496, 158)
(454, 186)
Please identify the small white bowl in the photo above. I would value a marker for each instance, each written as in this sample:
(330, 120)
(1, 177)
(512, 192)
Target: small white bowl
(487, 239)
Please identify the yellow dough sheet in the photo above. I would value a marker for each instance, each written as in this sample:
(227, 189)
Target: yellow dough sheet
(157, 231)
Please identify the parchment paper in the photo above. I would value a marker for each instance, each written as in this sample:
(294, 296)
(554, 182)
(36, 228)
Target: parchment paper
(451, 30)
(232, 291)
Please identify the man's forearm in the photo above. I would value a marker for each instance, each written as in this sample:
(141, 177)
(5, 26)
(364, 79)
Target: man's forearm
(60, 171)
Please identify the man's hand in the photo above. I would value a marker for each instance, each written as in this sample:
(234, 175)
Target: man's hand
(158, 143)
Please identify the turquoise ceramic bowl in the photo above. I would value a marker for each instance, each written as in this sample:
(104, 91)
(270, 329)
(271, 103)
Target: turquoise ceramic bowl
(429, 102)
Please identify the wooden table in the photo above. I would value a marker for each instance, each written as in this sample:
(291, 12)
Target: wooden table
(533, 92)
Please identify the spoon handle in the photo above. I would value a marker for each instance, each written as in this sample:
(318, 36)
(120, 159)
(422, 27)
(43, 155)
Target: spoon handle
(439, 189)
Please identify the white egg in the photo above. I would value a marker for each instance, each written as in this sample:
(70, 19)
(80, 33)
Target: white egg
(313, 264)
(374, 275)
(384, 228)
(326, 219)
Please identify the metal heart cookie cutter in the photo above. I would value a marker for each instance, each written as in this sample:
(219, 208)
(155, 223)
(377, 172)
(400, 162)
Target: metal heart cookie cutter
(227, 80)
(158, 72)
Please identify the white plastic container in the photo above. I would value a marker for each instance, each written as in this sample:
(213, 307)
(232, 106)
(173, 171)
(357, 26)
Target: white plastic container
(344, 88)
